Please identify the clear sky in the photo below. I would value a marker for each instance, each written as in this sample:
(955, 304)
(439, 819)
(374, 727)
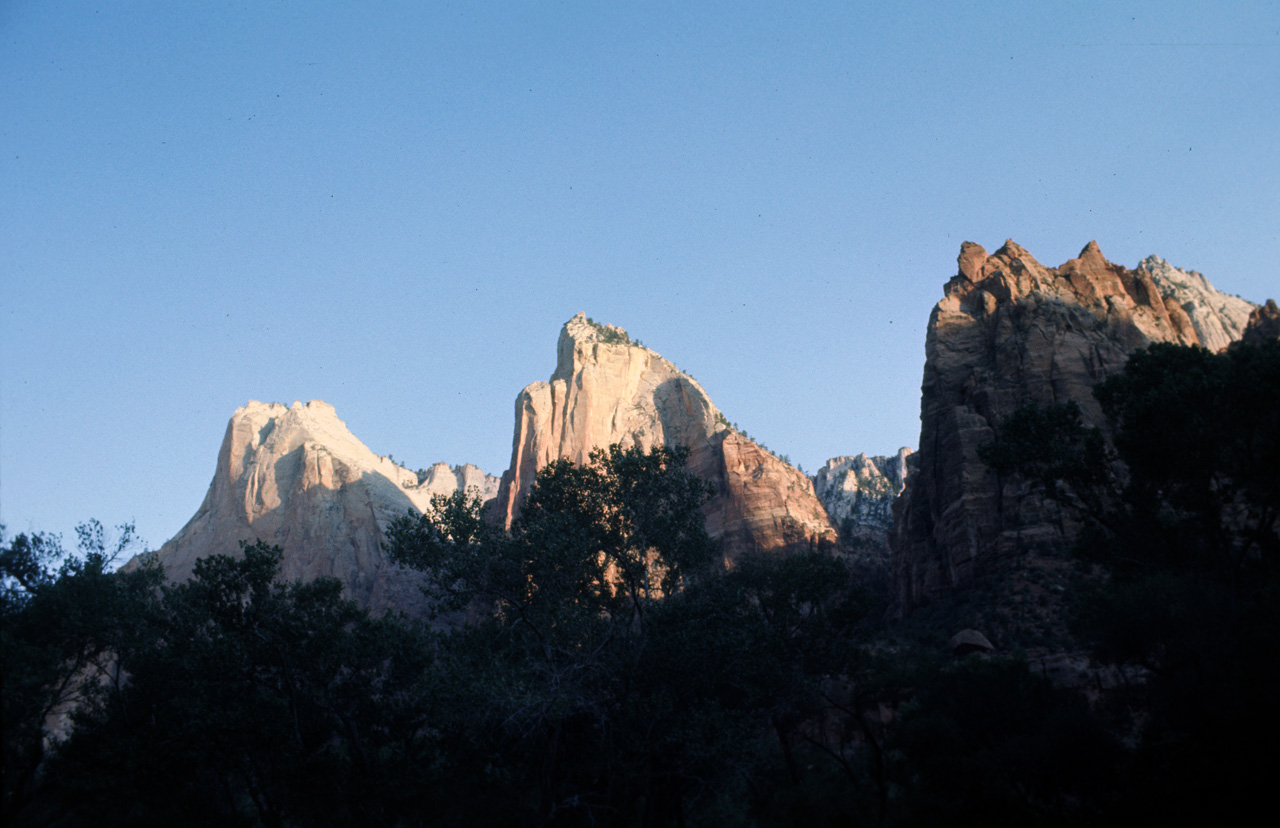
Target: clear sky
(394, 207)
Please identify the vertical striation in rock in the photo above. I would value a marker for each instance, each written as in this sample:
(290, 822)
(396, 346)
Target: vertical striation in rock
(607, 389)
(296, 477)
(1007, 332)
(860, 491)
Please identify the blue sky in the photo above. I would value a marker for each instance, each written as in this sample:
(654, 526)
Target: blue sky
(394, 206)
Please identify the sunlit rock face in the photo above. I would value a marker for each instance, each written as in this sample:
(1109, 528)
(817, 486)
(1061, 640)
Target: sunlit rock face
(1218, 318)
(860, 491)
(296, 477)
(1010, 331)
(608, 389)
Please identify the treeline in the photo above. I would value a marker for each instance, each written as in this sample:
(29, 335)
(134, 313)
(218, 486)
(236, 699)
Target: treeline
(599, 665)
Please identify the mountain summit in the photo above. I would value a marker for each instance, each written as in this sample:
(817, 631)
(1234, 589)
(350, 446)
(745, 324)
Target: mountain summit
(1010, 332)
(296, 477)
(609, 389)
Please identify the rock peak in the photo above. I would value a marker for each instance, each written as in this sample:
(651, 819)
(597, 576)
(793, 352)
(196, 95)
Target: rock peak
(971, 259)
(1008, 332)
(582, 339)
(296, 477)
(1012, 250)
(583, 328)
(1091, 258)
(608, 389)
(1264, 324)
(1218, 318)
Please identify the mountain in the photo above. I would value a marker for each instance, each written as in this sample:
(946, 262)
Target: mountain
(296, 477)
(609, 389)
(1010, 331)
(1218, 318)
(859, 492)
(1264, 324)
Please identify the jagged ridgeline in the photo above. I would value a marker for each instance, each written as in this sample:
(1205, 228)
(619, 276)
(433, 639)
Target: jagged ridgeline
(1008, 332)
(296, 477)
(1085, 588)
(1011, 332)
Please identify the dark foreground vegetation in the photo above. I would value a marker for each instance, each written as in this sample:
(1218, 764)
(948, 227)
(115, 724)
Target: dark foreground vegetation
(600, 667)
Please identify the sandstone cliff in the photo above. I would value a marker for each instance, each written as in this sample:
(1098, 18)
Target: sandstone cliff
(859, 492)
(607, 389)
(1010, 331)
(1218, 318)
(296, 477)
(1264, 324)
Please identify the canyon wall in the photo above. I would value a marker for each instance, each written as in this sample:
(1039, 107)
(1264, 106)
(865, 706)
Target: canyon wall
(859, 492)
(1010, 331)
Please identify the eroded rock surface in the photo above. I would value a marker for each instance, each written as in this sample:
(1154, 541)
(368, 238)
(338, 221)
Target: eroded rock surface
(296, 477)
(607, 389)
(860, 491)
(1218, 318)
(1010, 331)
(1264, 324)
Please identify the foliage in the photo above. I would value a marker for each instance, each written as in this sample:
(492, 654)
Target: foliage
(1052, 447)
(62, 616)
(610, 334)
(600, 541)
(567, 597)
(600, 666)
(1197, 442)
(615, 671)
(1200, 435)
(987, 741)
(253, 702)
(1186, 540)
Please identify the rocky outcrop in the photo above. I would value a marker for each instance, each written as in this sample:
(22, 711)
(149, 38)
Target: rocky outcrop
(608, 389)
(1264, 324)
(1218, 318)
(296, 477)
(860, 491)
(1010, 331)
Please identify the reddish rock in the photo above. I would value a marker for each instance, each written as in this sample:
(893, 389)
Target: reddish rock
(607, 389)
(1264, 324)
(1007, 332)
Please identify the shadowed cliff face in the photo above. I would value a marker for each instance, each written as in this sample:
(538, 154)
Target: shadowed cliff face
(607, 389)
(1008, 332)
(297, 478)
(1264, 324)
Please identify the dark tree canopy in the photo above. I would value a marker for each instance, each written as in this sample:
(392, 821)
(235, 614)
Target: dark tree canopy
(1182, 529)
(62, 616)
(600, 665)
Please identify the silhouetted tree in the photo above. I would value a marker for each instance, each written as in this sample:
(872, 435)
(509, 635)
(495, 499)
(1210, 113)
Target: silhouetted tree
(62, 619)
(1186, 536)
